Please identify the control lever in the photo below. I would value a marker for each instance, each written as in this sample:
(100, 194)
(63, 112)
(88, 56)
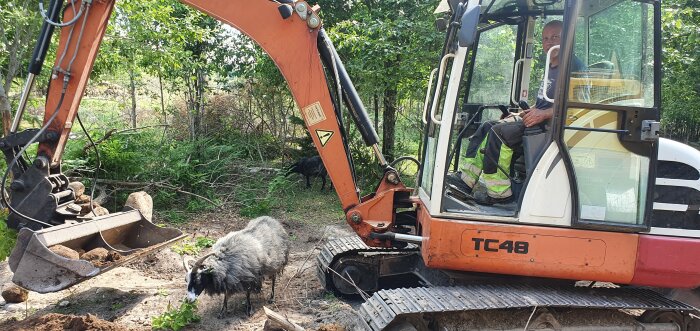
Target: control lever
(523, 105)
(504, 110)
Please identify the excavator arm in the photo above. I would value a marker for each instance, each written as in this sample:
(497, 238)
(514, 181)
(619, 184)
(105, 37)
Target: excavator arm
(292, 35)
(41, 203)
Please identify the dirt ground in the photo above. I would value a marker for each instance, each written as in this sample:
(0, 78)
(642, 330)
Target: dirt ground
(127, 297)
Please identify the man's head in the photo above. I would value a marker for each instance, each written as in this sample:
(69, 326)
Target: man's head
(551, 35)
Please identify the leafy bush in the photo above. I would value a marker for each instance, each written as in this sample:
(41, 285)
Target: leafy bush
(253, 206)
(190, 247)
(8, 237)
(176, 319)
(256, 207)
(123, 157)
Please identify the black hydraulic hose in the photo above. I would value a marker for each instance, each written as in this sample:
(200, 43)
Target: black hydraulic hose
(410, 158)
(52, 21)
(350, 95)
(330, 64)
(42, 45)
(84, 10)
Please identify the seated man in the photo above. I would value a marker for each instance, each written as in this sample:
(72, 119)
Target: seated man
(496, 139)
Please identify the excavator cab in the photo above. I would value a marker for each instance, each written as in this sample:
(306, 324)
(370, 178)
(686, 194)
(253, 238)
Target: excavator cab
(594, 162)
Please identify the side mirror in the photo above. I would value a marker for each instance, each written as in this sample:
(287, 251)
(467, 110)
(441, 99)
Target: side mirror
(470, 23)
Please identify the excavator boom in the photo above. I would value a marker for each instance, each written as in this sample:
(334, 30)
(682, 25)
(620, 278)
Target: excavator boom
(42, 204)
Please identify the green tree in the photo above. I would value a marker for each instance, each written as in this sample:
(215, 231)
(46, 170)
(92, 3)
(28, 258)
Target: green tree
(388, 48)
(681, 69)
(19, 26)
(169, 40)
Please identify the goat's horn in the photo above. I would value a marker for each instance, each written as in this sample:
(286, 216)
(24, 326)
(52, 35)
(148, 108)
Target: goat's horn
(201, 260)
(184, 264)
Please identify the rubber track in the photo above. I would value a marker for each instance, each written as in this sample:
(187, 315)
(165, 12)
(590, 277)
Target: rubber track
(385, 305)
(339, 247)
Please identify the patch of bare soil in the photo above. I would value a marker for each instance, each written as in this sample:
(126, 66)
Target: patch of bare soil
(132, 294)
(52, 322)
(331, 327)
(101, 257)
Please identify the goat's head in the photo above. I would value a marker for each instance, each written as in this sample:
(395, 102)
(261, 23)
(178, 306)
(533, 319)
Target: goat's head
(198, 277)
(294, 168)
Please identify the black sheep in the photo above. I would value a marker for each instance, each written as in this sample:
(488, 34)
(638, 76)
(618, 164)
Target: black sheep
(310, 167)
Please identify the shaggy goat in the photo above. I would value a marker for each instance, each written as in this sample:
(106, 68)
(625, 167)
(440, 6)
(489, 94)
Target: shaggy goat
(239, 261)
(310, 167)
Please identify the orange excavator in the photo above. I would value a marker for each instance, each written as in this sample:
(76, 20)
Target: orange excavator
(602, 232)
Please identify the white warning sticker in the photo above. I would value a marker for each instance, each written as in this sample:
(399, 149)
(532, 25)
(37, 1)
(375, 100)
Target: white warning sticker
(314, 114)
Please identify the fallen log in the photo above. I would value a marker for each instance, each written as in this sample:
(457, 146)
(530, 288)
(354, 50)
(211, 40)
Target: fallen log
(281, 321)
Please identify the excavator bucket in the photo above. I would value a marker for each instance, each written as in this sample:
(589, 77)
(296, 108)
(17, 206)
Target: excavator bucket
(102, 244)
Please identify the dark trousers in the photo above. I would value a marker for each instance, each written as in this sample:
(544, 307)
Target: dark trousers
(507, 132)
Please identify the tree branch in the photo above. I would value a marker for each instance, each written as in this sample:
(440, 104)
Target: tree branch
(113, 132)
(161, 184)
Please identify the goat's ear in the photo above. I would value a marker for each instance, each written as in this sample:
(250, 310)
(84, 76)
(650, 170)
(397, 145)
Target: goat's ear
(207, 270)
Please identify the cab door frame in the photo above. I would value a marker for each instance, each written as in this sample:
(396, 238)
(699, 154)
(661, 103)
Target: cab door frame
(631, 118)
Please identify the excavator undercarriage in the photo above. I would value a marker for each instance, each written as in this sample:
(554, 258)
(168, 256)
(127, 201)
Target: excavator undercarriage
(400, 293)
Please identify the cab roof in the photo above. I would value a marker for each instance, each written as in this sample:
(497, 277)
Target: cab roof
(509, 9)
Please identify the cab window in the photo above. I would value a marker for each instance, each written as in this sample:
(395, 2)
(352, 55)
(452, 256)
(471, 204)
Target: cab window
(611, 164)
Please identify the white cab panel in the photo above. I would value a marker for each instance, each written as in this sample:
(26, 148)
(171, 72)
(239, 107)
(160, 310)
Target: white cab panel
(547, 197)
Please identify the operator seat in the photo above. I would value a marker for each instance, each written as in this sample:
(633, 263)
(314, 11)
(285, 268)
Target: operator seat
(533, 145)
(524, 158)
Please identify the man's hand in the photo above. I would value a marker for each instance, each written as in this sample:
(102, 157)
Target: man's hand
(534, 116)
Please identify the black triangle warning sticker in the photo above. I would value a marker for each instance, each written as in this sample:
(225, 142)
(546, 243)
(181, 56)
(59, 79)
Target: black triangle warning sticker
(324, 136)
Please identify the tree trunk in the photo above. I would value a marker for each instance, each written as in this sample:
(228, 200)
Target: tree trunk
(162, 99)
(190, 106)
(195, 102)
(376, 112)
(132, 90)
(389, 123)
(5, 110)
(200, 98)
